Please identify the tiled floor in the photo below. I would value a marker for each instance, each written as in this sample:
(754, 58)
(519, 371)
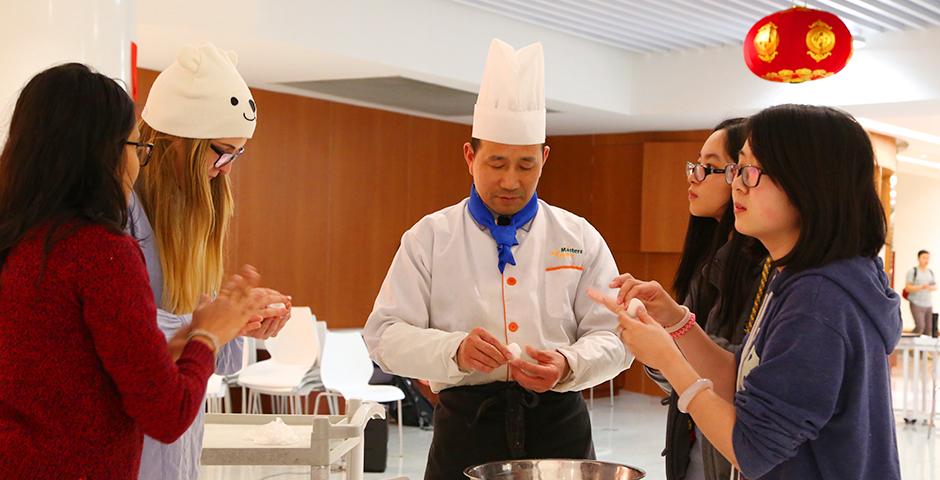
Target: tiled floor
(629, 432)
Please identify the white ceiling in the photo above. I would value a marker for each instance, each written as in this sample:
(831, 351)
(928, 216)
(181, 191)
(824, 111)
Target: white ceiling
(657, 26)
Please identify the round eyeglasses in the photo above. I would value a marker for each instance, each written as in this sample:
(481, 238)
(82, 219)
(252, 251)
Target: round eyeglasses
(696, 172)
(750, 174)
(143, 151)
(225, 158)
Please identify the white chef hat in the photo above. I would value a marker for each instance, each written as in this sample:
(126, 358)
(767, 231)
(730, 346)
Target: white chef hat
(510, 108)
(201, 95)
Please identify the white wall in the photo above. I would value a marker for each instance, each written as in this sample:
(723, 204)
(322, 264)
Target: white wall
(916, 227)
(39, 34)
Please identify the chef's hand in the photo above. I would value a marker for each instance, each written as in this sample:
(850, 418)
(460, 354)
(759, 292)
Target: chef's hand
(481, 352)
(643, 336)
(543, 376)
(659, 304)
(269, 321)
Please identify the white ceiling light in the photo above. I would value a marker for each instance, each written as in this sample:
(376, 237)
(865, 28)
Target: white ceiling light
(917, 161)
(896, 131)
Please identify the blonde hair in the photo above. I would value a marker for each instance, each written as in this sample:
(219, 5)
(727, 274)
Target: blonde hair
(190, 215)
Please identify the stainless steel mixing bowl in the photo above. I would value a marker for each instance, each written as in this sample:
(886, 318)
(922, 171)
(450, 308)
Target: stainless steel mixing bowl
(554, 470)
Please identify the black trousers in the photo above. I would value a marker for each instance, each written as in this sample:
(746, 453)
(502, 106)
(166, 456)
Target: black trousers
(503, 421)
(679, 440)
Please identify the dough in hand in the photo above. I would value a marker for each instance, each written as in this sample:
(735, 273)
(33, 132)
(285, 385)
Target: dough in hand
(515, 350)
(634, 307)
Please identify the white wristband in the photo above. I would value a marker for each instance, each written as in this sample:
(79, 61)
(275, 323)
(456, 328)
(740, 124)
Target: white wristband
(214, 340)
(685, 319)
(690, 393)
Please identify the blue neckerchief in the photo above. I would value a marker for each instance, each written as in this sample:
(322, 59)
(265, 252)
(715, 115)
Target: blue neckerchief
(505, 235)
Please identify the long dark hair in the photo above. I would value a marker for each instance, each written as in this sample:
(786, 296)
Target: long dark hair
(705, 235)
(823, 160)
(63, 161)
(739, 276)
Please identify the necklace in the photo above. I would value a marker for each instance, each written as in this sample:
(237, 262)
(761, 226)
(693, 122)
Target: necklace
(764, 274)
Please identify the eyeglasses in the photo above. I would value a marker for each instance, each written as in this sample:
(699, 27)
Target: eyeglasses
(225, 158)
(696, 172)
(143, 151)
(750, 175)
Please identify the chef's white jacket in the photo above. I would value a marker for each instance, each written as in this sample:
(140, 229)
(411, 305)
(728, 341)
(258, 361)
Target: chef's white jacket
(444, 282)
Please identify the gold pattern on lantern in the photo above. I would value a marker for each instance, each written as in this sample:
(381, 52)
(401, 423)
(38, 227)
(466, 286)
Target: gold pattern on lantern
(820, 40)
(766, 41)
(797, 76)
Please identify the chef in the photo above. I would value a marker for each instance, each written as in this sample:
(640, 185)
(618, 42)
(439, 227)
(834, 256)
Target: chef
(502, 271)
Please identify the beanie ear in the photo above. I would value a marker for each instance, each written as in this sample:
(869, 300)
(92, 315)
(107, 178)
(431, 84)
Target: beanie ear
(232, 56)
(190, 58)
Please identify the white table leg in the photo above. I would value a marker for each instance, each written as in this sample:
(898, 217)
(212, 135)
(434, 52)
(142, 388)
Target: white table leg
(905, 383)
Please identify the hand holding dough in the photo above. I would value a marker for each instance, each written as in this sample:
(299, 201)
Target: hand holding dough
(635, 307)
(515, 350)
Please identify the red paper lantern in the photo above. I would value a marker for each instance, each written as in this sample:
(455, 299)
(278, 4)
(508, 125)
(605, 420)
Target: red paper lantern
(797, 45)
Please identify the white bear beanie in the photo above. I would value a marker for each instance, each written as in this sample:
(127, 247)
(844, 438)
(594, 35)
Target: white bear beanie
(202, 96)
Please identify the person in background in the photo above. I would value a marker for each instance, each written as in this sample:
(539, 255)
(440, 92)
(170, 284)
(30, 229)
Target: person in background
(199, 115)
(919, 285)
(84, 371)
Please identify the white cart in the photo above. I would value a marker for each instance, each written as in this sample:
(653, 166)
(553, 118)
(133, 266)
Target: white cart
(919, 381)
(326, 440)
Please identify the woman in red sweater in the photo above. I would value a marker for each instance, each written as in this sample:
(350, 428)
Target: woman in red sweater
(84, 371)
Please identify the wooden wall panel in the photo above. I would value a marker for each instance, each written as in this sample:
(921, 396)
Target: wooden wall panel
(566, 178)
(662, 268)
(281, 188)
(642, 137)
(634, 263)
(368, 184)
(665, 206)
(436, 170)
(617, 187)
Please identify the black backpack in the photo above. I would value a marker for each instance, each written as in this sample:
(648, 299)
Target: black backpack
(928, 271)
(416, 410)
(905, 292)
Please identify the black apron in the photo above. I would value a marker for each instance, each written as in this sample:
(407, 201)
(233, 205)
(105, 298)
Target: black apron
(503, 421)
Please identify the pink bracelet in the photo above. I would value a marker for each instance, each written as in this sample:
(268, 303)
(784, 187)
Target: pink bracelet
(681, 323)
(684, 325)
(689, 325)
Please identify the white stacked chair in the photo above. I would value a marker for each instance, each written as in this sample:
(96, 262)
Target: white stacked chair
(288, 376)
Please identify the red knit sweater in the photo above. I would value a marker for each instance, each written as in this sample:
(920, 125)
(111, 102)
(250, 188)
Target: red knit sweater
(84, 370)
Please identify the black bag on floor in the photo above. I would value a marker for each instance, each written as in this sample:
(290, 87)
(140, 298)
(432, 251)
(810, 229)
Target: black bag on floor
(416, 410)
(375, 445)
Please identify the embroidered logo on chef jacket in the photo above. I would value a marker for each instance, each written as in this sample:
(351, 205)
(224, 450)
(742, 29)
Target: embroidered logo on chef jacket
(567, 252)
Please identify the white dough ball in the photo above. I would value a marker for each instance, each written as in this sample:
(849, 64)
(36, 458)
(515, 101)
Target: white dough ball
(634, 307)
(515, 350)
